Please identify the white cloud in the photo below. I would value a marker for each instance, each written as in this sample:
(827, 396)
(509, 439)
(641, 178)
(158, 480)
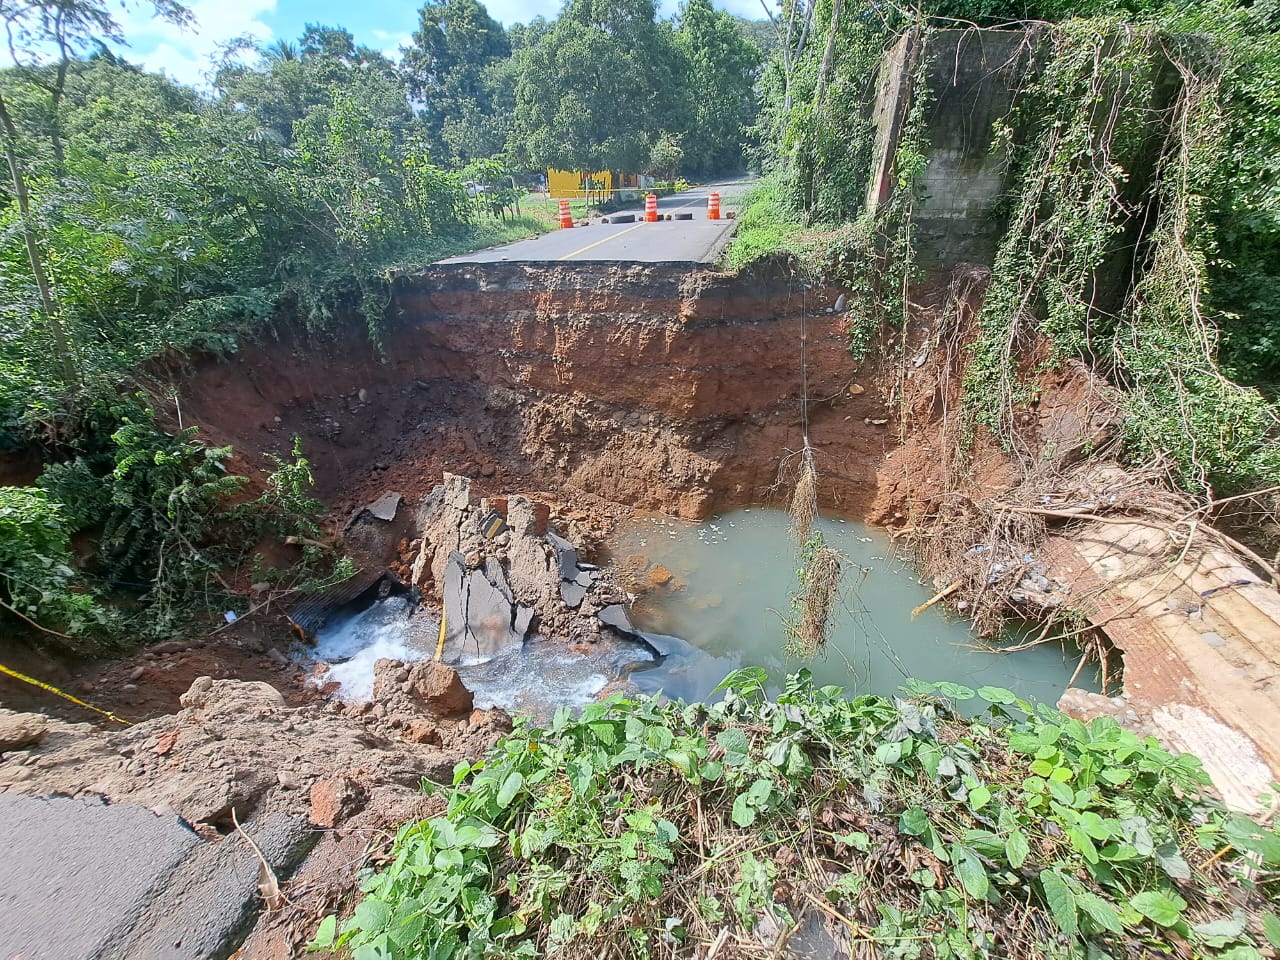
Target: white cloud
(186, 54)
(389, 43)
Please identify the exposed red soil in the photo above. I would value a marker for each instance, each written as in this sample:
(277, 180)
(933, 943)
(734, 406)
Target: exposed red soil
(652, 388)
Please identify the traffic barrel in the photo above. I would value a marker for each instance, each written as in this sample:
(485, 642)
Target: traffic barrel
(713, 206)
(566, 218)
(651, 208)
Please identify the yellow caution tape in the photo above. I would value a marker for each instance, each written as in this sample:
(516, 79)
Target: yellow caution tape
(65, 696)
(440, 643)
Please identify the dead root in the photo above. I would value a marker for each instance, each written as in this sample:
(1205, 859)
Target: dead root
(819, 590)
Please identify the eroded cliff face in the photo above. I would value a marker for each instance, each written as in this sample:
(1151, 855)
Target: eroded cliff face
(656, 388)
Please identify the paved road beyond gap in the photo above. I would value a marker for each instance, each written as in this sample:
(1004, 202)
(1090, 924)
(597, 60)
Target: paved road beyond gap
(696, 241)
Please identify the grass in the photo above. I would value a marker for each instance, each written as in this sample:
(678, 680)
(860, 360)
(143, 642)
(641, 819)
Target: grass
(767, 226)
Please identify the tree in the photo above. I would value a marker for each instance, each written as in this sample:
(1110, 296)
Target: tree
(597, 88)
(666, 157)
(722, 66)
(44, 37)
(447, 70)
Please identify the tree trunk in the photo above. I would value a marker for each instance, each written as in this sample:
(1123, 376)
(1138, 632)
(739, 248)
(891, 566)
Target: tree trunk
(824, 73)
(47, 307)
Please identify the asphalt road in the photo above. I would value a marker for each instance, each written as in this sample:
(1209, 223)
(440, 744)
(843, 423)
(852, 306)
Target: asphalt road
(695, 241)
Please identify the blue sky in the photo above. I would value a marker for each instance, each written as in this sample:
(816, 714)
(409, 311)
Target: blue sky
(382, 24)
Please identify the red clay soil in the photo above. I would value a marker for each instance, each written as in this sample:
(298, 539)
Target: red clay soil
(654, 388)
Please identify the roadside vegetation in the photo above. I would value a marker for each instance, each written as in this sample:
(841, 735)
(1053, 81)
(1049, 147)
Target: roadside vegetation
(1192, 346)
(951, 823)
(146, 223)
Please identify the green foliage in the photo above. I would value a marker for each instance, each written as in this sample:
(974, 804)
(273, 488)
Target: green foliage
(1061, 266)
(647, 829)
(168, 518)
(720, 69)
(596, 87)
(766, 225)
(37, 579)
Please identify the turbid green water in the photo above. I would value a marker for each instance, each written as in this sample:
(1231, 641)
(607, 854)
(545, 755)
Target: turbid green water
(734, 575)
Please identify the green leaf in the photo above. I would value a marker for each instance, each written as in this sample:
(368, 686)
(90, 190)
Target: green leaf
(325, 934)
(1061, 901)
(744, 815)
(979, 797)
(968, 867)
(997, 695)
(914, 822)
(1228, 928)
(1099, 911)
(1017, 849)
(736, 746)
(1171, 861)
(510, 787)
(955, 691)
(889, 753)
(372, 915)
(1271, 929)
(1158, 906)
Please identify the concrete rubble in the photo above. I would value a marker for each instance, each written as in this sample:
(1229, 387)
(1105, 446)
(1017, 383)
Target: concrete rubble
(501, 588)
(123, 844)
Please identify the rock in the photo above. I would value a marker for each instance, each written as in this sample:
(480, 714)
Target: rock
(136, 673)
(20, 730)
(572, 593)
(440, 688)
(566, 556)
(334, 800)
(1212, 638)
(585, 578)
(421, 730)
(659, 575)
(856, 389)
(615, 615)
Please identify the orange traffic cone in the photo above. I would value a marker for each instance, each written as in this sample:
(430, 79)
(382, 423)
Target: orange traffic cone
(566, 218)
(713, 206)
(651, 208)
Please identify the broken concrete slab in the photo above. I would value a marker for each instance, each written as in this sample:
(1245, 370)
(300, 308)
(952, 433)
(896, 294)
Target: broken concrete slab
(77, 874)
(572, 593)
(615, 615)
(480, 614)
(209, 902)
(385, 507)
(524, 620)
(566, 556)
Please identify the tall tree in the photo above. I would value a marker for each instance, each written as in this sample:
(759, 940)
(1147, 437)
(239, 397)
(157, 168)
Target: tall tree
(596, 90)
(44, 37)
(722, 66)
(448, 68)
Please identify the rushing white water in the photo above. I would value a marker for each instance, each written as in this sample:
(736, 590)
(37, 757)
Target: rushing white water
(353, 644)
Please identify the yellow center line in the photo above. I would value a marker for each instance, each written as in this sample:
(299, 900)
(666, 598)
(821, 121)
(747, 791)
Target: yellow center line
(592, 246)
(614, 236)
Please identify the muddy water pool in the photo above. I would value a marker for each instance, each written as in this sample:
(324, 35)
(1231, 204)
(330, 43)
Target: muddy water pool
(731, 580)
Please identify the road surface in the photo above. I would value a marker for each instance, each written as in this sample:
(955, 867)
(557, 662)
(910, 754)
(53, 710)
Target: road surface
(695, 241)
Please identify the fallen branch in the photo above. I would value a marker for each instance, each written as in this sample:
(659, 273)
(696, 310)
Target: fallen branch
(937, 598)
(268, 884)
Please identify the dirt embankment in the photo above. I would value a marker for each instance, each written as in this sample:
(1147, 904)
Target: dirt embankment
(652, 387)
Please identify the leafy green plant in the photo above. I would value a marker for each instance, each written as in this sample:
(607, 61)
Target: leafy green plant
(649, 828)
(38, 582)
